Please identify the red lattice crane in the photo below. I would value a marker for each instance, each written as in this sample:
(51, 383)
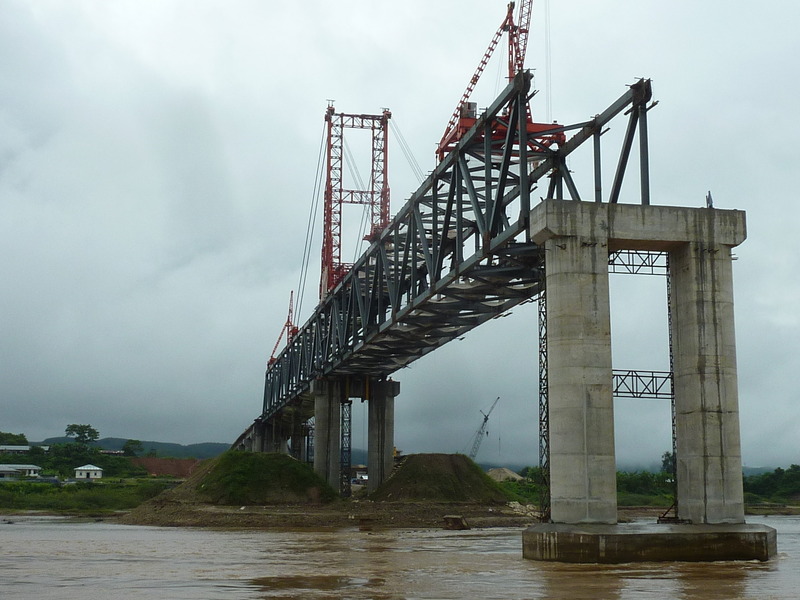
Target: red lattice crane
(289, 329)
(375, 196)
(465, 114)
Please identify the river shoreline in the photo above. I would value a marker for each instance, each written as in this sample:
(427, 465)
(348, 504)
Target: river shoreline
(362, 514)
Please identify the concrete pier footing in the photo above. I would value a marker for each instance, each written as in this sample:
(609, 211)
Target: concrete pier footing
(600, 543)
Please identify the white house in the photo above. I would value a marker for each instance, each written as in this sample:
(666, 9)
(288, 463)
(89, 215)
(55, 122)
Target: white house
(88, 472)
(15, 471)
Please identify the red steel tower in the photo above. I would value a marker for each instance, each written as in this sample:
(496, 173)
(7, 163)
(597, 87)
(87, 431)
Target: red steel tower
(376, 196)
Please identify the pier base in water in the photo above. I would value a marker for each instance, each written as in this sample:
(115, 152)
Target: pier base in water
(601, 543)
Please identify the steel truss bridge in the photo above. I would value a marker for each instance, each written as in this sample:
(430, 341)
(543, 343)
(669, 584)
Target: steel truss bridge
(459, 253)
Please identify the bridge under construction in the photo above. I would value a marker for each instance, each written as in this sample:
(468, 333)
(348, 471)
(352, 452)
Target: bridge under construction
(501, 220)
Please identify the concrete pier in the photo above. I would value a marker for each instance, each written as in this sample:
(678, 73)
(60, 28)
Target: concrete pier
(706, 392)
(582, 463)
(577, 238)
(380, 451)
(329, 394)
(327, 429)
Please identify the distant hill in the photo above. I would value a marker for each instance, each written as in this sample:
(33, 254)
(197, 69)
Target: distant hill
(163, 449)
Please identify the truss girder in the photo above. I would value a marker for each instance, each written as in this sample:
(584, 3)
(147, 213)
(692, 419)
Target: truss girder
(456, 255)
(655, 385)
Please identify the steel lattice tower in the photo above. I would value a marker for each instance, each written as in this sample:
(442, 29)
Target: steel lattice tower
(376, 196)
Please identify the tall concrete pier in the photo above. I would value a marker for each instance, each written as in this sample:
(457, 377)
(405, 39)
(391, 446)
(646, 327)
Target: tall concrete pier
(327, 428)
(380, 432)
(578, 237)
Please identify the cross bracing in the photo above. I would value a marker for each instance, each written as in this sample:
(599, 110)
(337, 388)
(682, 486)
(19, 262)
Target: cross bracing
(457, 254)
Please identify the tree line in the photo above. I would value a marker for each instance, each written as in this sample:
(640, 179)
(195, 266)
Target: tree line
(62, 459)
(645, 488)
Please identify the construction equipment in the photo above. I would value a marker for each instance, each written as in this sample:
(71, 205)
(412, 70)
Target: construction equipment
(466, 113)
(374, 194)
(289, 328)
(479, 435)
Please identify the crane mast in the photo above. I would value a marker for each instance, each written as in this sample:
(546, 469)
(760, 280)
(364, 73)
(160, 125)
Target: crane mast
(478, 438)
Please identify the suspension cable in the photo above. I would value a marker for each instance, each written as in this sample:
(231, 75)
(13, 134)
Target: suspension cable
(406, 150)
(312, 218)
(356, 174)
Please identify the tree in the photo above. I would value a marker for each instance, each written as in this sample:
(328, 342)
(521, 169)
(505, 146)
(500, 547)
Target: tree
(668, 462)
(83, 434)
(13, 439)
(132, 448)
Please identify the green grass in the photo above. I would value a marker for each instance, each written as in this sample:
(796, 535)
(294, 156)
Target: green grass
(255, 478)
(78, 497)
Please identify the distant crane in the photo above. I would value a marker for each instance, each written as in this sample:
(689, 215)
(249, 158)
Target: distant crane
(289, 328)
(478, 437)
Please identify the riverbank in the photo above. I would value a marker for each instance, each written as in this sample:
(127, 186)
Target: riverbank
(363, 514)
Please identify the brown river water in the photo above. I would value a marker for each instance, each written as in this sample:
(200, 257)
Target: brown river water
(43, 558)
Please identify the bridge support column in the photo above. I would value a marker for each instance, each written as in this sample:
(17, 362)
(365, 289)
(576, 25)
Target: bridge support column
(582, 461)
(578, 237)
(327, 432)
(380, 454)
(258, 437)
(706, 396)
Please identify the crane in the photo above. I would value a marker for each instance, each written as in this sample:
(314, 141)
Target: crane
(478, 437)
(289, 328)
(465, 113)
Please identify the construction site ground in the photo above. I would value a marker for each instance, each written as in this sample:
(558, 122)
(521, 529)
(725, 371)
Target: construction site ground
(479, 506)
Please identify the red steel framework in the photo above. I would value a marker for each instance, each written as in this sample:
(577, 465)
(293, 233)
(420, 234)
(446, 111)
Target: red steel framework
(465, 115)
(376, 196)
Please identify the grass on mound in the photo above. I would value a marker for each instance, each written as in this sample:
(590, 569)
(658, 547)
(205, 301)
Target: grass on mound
(440, 478)
(255, 478)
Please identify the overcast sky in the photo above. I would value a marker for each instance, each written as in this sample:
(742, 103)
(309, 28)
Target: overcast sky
(157, 166)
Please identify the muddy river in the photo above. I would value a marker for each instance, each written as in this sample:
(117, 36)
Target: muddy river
(42, 558)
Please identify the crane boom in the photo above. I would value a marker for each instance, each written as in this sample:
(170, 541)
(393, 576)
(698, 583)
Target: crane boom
(478, 438)
(451, 129)
(289, 328)
(523, 28)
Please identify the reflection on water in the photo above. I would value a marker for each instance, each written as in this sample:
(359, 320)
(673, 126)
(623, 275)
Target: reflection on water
(49, 558)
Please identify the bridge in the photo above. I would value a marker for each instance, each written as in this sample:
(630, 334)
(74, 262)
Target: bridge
(501, 221)
(457, 254)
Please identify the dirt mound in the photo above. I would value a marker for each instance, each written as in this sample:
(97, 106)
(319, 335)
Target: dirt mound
(256, 478)
(440, 478)
(233, 479)
(175, 467)
(504, 474)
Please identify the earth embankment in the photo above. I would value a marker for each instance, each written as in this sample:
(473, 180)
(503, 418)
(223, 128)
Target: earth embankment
(237, 490)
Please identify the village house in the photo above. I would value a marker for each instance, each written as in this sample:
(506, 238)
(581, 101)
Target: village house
(13, 472)
(88, 472)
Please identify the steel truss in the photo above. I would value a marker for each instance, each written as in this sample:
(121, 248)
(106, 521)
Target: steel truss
(544, 412)
(642, 384)
(456, 255)
(345, 489)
